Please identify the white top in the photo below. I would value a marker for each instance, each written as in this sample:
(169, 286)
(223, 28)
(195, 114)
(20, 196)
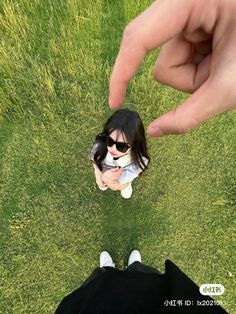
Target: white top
(129, 170)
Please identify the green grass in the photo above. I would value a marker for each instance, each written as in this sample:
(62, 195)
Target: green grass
(55, 62)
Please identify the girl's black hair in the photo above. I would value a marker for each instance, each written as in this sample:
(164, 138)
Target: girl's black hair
(129, 124)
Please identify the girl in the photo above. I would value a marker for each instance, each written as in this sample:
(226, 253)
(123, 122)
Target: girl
(119, 154)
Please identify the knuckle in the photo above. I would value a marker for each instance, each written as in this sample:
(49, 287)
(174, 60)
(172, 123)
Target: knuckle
(185, 124)
(159, 73)
(183, 128)
(182, 124)
(129, 32)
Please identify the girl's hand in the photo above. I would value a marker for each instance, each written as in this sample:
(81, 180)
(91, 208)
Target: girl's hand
(101, 184)
(111, 176)
(98, 175)
(117, 186)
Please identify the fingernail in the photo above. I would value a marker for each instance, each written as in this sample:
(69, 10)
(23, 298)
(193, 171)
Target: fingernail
(155, 131)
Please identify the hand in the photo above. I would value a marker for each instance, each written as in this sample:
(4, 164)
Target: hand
(101, 184)
(198, 56)
(111, 176)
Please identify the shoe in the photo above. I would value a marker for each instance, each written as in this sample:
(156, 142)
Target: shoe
(106, 260)
(127, 192)
(103, 189)
(135, 256)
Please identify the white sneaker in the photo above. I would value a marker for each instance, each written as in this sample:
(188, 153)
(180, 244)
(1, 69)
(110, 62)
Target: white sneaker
(106, 260)
(103, 189)
(135, 256)
(127, 192)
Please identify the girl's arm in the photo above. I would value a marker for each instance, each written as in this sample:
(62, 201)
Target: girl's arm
(98, 176)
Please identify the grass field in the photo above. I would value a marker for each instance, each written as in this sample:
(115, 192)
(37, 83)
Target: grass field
(55, 62)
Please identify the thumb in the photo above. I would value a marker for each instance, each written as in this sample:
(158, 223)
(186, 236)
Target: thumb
(115, 170)
(208, 101)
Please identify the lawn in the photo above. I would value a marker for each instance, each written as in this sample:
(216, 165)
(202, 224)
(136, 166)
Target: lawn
(55, 61)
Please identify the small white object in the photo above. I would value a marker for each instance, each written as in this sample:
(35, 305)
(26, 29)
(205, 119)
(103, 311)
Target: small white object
(212, 289)
(127, 192)
(103, 189)
(106, 260)
(135, 256)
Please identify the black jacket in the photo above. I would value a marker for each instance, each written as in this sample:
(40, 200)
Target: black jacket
(123, 292)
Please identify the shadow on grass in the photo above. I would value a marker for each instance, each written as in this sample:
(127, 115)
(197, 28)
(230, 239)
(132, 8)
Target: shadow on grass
(126, 222)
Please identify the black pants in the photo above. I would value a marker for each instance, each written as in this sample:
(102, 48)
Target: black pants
(135, 267)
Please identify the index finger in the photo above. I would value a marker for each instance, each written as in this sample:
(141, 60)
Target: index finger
(159, 23)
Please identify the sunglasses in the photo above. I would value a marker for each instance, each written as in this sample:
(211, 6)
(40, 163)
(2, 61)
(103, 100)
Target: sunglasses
(120, 146)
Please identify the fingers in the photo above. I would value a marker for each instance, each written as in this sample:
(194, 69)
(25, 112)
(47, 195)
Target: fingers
(205, 103)
(112, 174)
(111, 171)
(179, 66)
(115, 169)
(160, 22)
(116, 172)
